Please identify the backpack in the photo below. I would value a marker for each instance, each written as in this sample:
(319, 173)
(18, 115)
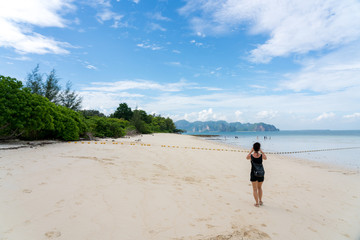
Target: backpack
(258, 169)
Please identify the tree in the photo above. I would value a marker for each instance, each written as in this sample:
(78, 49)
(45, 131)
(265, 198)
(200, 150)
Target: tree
(52, 88)
(123, 111)
(34, 81)
(91, 113)
(70, 99)
(21, 112)
(31, 116)
(170, 126)
(138, 123)
(109, 127)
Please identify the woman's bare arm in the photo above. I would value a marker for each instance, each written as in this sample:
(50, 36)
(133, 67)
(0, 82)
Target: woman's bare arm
(263, 155)
(248, 157)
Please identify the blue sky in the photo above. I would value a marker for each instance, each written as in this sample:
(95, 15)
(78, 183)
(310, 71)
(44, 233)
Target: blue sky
(291, 63)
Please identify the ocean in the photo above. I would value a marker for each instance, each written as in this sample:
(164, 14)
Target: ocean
(340, 148)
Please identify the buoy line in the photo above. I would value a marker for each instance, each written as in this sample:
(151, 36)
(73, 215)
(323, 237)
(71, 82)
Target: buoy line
(212, 149)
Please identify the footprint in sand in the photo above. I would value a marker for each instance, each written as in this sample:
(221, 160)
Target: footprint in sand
(27, 222)
(210, 226)
(244, 234)
(60, 203)
(27, 191)
(53, 234)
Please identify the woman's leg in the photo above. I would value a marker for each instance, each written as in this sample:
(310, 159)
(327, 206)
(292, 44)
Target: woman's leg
(255, 192)
(259, 190)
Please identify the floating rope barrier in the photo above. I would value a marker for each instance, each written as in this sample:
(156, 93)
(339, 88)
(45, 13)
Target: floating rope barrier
(216, 149)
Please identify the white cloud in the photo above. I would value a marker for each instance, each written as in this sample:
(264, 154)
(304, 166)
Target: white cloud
(200, 34)
(238, 116)
(106, 102)
(158, 16)
(21, 58)
(293, 26)
(203, 115)
(177, 64)
(353, 116)
(325, 116)
(293, 110)
(106, 14)
(148, 45)
(335, 71)
(156, 26)
(198, 44)
(266, 114)
(18, 18)
(136, 1)
(91, 67)
(138, 84)
(238, 113)
(257, 86)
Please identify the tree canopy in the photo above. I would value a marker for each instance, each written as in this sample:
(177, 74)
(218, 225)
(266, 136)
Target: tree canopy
(26, 114)
(31, 116)
(51, 89)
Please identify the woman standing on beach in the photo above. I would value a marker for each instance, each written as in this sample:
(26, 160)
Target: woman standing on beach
(256, 155)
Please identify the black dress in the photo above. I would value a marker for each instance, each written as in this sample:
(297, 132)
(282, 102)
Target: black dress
(253, 178)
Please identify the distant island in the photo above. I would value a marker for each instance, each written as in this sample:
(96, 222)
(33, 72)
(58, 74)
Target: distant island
(223, 126)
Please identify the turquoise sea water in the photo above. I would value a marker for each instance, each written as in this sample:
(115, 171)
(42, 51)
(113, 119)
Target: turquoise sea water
(338, 147)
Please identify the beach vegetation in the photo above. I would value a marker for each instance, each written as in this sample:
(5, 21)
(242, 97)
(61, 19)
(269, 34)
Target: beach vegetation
(123, 111)
(101, 126)
(144, 123)
(41, 111)
(51, 89)
(28, 115)
(69, 98)
(91, 113)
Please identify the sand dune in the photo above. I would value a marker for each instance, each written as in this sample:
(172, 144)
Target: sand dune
(159, 187)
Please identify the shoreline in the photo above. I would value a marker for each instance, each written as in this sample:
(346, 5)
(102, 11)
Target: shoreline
(326, 154)
(143, 189)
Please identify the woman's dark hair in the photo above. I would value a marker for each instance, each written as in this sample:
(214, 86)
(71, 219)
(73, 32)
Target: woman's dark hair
(256, 147)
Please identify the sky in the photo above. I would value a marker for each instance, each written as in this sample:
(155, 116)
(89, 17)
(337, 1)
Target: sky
(291, 63)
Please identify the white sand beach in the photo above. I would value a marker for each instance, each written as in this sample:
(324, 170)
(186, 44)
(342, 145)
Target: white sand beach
(142, 190)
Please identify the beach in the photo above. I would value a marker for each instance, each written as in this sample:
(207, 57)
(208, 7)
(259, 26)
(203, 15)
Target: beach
(169, 186)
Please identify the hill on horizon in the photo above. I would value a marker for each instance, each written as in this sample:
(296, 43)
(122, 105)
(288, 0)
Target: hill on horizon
(223, 126)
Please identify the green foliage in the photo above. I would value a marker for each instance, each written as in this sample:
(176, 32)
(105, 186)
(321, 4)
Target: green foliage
(110, 127)
(123, 111)
(52, 88)
(144, 123)
(34, 81)
(107, 127)
(69, 125)
(31, 116)
(91, 113)
(13, 107)
(70, 99)
(139, 123)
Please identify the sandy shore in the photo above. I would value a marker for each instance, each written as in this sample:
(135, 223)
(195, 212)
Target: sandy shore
(142, 190)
